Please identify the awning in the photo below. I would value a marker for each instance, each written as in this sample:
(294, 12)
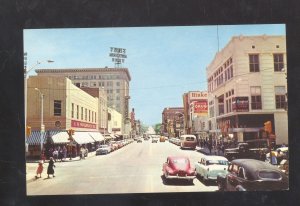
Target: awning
(97, 136)
(35, 138)
(82, 138)
(60, 138)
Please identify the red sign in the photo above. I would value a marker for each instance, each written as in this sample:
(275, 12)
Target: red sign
(240, 104)
(80, 124)
(201, 107)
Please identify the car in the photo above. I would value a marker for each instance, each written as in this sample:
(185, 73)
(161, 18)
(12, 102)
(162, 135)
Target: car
(178, 168)
(209, 167)
(162, 139)
(139, 140)
(103, 149)
(252, 175)
(154, 139)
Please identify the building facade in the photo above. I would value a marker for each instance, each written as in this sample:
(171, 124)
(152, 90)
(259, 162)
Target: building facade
(195, 106)
(172, 121)
(247, 87)
(115, 81)
(114, 121)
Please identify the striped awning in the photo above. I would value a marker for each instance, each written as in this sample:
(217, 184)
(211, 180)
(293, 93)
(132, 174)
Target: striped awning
(35, 138)
(60, 138)
(97, 136)
(82, 138)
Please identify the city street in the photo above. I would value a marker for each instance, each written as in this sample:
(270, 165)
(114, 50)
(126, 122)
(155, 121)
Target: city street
(135, 168)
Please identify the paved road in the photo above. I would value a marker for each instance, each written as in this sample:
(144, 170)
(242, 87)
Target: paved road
(135, 168)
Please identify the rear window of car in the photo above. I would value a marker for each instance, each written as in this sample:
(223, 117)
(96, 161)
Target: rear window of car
(190, 139)
(269, 174)
(180, 161)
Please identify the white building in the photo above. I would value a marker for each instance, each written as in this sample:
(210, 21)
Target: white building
(247, 87)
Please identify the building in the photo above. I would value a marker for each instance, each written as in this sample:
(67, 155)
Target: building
(172, 121)
(55, 105)
(115, 81)
(195, 106)
(114, 121)
(247, 87)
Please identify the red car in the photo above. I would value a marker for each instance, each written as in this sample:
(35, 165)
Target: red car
(178, 168)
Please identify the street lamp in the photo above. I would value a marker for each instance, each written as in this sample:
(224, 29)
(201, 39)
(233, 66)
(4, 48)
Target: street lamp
(42, 117)
(26, 71)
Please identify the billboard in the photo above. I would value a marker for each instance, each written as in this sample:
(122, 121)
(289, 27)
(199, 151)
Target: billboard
(200, 107)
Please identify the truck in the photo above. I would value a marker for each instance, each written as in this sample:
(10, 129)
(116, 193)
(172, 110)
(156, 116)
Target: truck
(251, 149)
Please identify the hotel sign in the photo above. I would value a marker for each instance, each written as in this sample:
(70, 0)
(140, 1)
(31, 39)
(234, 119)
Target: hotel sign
(80, 124)
(240, 104)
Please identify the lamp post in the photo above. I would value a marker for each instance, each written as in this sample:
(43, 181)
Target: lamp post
(26, 71)
(42, 117)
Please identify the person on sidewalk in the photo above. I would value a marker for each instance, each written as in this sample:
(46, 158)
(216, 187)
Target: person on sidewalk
(39, 169)
(50, 170)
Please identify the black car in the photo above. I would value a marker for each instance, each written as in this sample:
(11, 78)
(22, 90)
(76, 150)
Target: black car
(252, 175)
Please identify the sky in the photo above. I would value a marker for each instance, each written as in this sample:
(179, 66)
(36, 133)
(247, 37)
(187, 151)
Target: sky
(164, 62)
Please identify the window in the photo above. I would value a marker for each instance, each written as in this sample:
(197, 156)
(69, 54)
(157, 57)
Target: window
(254, 62)
(118, 90)
(92, 116)
(81, 113)
(77, 112)
(72, 111)
(118, 83)
(95, 117)
(280, 97)
(256, 98)
(278, 62)
(85, 114)
(57, 107)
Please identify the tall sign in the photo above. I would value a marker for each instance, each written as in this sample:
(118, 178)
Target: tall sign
(118, 56)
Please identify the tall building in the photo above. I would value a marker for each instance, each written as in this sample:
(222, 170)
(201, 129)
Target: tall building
(115, 81)
(247, 87)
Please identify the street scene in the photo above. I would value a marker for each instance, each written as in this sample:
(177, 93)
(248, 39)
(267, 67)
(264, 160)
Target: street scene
(156, 110)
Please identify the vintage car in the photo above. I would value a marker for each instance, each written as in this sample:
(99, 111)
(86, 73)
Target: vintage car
(252, 175)
(162, 139)
(188, 141)
(209, 167)
(154, 139)
(103, 149)
(178, 168)
(139, 140)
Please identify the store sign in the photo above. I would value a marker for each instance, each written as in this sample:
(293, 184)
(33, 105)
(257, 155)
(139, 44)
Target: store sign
(240, 104)
(197, 95)
(200, 107)
(80, 124)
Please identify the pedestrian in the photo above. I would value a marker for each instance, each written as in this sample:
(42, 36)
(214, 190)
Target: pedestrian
(81, 153)
(50, 170)
(209, 147)
(65, 152)
(55, 154)
(39, 169)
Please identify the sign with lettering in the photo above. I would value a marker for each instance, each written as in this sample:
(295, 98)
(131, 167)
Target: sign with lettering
(201, 107)
(197, 95)
(118, 55)
(240, 104)
(80, 124)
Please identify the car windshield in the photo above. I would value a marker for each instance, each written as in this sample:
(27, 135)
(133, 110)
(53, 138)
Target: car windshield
(180, 161)
(217, 162)
(190, 139)
(269, 174)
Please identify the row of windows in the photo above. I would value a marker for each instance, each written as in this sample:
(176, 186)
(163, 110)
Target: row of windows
(278, 61)
(84, 113)
(100, 84)
(89, 77)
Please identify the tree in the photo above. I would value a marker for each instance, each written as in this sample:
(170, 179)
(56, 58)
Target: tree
(157, 128)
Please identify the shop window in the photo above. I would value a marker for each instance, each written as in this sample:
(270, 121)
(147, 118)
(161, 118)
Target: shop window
(254, 62)
(57, 107)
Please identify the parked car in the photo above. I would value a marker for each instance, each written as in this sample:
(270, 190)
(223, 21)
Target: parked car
(178, 168)
(252, 175)
(209, 167)
(154, 139)
(139, 140)
(188, 141)
(103, 149)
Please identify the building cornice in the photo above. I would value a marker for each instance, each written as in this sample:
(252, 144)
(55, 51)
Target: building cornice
(66, 70)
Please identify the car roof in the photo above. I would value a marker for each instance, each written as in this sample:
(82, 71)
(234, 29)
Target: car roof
(215, 157)
(254, 165)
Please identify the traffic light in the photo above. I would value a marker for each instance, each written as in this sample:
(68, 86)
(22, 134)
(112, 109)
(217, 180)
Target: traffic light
(70, 133)
(268, 127)
(28, 131)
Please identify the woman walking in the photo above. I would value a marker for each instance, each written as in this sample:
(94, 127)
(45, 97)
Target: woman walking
(39, 169)
(50, 170)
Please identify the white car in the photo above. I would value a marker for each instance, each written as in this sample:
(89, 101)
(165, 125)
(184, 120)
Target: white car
(209, 167)
(103, 149)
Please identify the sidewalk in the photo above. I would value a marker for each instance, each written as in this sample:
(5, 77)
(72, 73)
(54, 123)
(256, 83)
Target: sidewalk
(31, 166)
(205, 151)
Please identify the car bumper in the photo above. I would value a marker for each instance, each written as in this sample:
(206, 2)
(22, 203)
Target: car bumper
(180, 177)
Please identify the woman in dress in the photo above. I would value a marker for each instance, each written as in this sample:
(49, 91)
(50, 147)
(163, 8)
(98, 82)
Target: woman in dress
(50, 170)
